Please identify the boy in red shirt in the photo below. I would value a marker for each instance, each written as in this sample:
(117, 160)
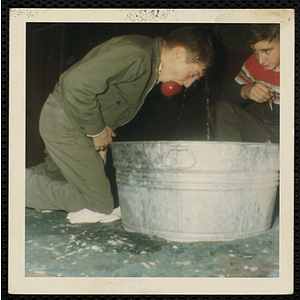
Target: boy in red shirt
(258, 80)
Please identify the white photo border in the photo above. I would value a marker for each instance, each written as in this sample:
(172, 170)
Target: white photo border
(19, 284)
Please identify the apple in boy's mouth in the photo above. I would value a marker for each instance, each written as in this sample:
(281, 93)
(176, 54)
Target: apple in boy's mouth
(170, 88)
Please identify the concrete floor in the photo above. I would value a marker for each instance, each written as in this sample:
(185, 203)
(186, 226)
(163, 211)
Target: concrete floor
(55, 247)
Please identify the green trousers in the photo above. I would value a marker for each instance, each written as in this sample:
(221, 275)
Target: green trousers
(233, 123)
(72, 177)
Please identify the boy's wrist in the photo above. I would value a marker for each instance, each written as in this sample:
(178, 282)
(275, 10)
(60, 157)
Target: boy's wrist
(96, 135)
(244, 91)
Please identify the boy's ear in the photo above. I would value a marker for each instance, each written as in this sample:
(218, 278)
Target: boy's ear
(178, 52)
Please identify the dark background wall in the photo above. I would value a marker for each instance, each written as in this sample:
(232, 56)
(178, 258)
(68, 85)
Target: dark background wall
(54, 47)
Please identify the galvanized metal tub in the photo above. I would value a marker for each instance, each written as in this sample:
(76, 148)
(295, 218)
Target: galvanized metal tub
(196, 191)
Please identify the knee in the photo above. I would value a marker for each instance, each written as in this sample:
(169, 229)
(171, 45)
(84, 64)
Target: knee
(220, 110)
(223, 107)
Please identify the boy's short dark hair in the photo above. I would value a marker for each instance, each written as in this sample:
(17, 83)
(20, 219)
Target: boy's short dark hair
(263, 32)
(196, 41)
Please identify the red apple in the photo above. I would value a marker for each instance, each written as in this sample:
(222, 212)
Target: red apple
(170, 88)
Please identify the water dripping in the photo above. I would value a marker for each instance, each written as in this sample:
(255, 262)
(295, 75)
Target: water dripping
(181, 112)
(206, 91)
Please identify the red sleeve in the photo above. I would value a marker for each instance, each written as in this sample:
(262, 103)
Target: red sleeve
(252, 71)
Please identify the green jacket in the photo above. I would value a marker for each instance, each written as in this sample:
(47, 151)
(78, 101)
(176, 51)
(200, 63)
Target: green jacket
(109, 85)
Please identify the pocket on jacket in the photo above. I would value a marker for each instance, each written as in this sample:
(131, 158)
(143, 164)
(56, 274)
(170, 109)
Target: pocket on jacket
(52, 104)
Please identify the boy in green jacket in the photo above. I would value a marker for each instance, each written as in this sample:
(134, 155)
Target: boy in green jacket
(99, 93)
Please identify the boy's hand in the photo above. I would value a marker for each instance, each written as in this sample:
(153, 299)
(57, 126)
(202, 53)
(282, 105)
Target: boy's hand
(257, 92)
(102, 141)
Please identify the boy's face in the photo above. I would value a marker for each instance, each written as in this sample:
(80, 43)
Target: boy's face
(175, 68)
(268, 54)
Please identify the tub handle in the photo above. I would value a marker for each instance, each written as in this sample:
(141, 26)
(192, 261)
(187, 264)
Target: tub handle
(180, 157)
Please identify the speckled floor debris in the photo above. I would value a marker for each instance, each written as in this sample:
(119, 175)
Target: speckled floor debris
(55, 247)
